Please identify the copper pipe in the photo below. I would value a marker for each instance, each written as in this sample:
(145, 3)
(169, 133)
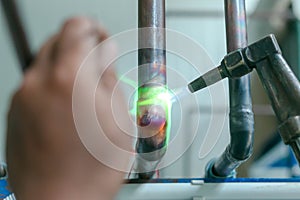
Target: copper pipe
(152, 116)
(241, 117)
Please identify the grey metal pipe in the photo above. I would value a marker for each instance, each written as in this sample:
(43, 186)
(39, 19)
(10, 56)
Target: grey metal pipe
(151, 79)
(283, 90)
(285, 98)
(241, 115)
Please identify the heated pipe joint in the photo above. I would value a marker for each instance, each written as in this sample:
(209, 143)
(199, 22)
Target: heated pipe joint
(153, 109)
(290, 134)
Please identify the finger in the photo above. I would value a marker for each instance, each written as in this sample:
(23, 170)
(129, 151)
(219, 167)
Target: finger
(77, 38)
(44, 55)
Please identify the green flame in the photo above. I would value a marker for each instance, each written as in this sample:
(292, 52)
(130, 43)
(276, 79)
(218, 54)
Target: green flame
(152, 95)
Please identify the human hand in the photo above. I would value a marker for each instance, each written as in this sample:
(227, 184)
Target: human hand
(46, 158)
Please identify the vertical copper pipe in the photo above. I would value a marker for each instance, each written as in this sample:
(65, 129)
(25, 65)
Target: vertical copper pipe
(17, 32)
(241, 117)
(236, 24)
(151, 116)
(152, 42)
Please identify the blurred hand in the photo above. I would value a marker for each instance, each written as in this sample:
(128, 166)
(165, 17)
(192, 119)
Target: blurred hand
(46, 159)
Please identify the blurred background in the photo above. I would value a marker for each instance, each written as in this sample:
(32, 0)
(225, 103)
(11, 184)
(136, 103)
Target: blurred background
(203, 21)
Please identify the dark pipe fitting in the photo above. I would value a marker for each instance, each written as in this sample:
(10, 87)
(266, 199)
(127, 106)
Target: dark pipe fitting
(3, 171)
(237, 152)
(210, 171)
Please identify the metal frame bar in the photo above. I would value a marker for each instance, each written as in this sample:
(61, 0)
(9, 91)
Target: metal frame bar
(198, 189)
(18, 33)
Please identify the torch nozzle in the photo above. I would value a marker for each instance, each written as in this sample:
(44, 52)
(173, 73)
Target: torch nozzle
(213, 76)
